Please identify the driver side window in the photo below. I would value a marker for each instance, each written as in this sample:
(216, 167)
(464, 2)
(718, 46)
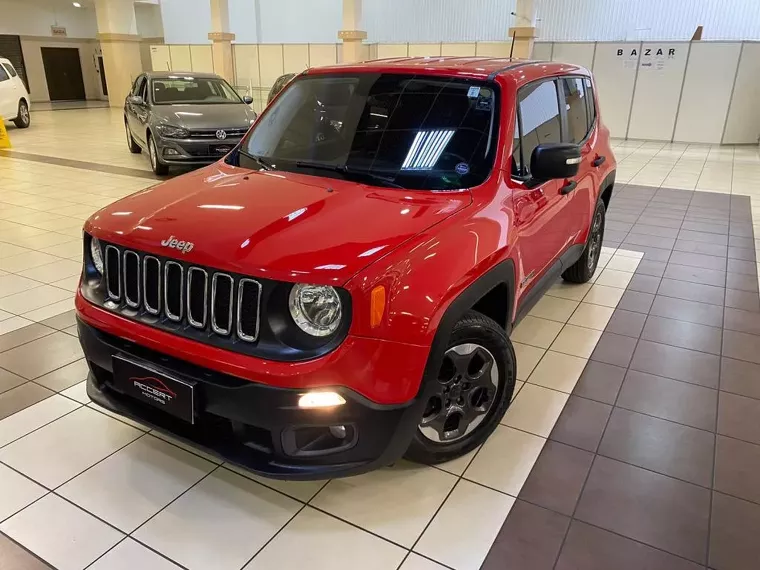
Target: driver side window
(539, 121)
(138, 85)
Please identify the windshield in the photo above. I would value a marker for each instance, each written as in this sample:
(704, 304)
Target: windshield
(409, 131)
(194, 90)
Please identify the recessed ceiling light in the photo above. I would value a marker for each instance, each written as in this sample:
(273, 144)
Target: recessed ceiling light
(77, 4)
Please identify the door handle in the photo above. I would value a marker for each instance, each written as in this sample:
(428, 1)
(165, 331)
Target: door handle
(568, 187)
(599, 160)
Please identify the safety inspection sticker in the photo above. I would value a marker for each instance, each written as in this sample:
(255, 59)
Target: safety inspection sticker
(473, 92)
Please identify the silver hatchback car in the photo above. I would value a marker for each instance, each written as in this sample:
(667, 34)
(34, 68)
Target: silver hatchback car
(184, 118)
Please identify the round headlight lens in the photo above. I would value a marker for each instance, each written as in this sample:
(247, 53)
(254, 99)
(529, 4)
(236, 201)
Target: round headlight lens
(96, 253)
(316, 309)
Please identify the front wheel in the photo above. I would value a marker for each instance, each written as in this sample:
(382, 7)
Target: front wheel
(583, 269)
(473, 390)
(158, 168)
(22, 120)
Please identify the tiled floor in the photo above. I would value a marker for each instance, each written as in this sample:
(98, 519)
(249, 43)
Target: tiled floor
(631, 443)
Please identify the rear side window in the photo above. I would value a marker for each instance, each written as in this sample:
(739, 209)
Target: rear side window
(3, 74)
(538, 108)
(577, 109)
(9, 69)
(591, 106)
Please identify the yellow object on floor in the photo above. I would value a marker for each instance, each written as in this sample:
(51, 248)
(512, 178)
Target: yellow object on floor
(5, 140)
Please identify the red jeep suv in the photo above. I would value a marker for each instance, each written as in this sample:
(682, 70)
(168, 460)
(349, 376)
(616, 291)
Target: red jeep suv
(339, 290)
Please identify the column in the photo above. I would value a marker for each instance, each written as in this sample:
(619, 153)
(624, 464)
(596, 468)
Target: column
(524, 32)
(120, 44)
(221, 40)
(351, 34)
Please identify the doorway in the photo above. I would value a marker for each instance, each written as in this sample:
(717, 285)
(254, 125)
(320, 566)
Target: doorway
(63, 72)
(102, 70)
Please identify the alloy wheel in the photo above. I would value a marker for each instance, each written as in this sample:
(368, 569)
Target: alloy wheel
(467, 385)
(595, 241)
(129, 135)
(24, 113)
(152, 153)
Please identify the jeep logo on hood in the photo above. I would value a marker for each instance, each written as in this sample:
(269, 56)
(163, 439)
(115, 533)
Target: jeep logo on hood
(183, 246)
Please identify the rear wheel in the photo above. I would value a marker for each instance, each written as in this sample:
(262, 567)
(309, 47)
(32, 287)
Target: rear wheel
(134, 148)
(158, 168)
(583, 269)
(22, 120)
(475, 383)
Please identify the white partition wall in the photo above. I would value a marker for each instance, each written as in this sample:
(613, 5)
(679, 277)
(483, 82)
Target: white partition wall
(615, 74)
(159, 58)
(180, 58)
(201, 58)
(658, 90)
(579, 53)
(424, 50)
(542, 51)
(743, 121)
(707, 90)
(392, 50)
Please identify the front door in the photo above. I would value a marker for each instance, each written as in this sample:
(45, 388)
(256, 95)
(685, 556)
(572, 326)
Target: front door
(63, 73)
(8, 98)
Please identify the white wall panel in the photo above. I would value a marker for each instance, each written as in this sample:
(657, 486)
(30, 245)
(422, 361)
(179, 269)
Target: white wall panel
(743, 121)
(295, 57)
(160, 58)
(579, 53)
(180, 58)
(614, 74)
(461, 49)
(658, 89)
(323, 54)
(542, 51)
(424, 50)
(707, 89)
(392, 50)
(493, 49)
(271, 65)
(246, 57)
(201, 58)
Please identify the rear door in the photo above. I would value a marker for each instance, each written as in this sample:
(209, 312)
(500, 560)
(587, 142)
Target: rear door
(542, 222)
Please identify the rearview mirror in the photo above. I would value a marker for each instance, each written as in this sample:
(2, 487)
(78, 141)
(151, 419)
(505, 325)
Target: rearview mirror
(247, 99)
(551, 161)
(136, 100)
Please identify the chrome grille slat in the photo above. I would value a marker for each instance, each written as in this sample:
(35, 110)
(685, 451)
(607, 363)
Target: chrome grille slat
(191, 317)
(242, 328)
(171, 315)
(216, 297)
(113, 277)
(149, 259)
(131, 281)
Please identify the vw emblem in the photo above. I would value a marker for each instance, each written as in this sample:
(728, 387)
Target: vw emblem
(221, 135)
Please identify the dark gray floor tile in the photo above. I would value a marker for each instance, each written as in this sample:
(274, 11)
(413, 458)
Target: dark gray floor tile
(745, 300)
(734, 532)
(736, 241)
(703, 237)
(21, 397)
(652, 268)
(650, 253)
(660, 445)
(581, 423)
(747, 254)
(700, 247)
(692, 291)
(741, 229)
(614, 349)
(41, 356)
(8, 380)
(737, 464)
(530, 539)
(22, 336)
(711, 228)
(618, 226)
(636, 301)
(646, 506)
(676, 362)
(662, 221)
(741, 346)
(741, 266)
(695, 274)
(742, 321)
(698, 260)
(614, 235)
(738, 417)
(682, 334)
(626, 323)
(644, 283)
(742, 282)
(13, 557)
(590, 548)
(668, 399)
(62, 321)
(600, 382)
(740, 377)
(65, 377)
(610, 243)
(623, 217)
(650, 241)
(557, 478)
(689, 311)
(643, 228)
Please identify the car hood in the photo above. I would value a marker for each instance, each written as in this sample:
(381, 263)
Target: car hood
(279, 225)
(218, 116)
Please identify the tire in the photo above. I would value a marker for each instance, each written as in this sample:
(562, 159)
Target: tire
(158, 168)
(134, 148)
(23, 119)
(583, 269)
(490, 340)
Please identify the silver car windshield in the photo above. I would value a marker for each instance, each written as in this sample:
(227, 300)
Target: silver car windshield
(174, 90)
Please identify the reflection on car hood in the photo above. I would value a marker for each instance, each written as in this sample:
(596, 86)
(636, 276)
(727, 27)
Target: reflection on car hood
(219, 116)
(273, 224)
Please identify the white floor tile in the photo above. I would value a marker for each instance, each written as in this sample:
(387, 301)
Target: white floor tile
(604, 295)
(623, 263)
(614, 278)
(506, 460)
(558, 371)
(535, 410)
(131, 555)
(457, 466)
(416, 562)
(536, 332)
(527, 358)
(31, 418)
(576, 341)
(554, 308)
(98, 408)
(182, 444)
(480, 511)
(60, 533)
(78, 392)
(317, 541)
(302, 491)
(133, 484)
(16, 492)
(591, 316)
(13, 324)
(372, 501)
(220, 523)
(572, 291)
(64, 448)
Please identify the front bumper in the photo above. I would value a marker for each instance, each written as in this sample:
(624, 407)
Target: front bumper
(255, 425)
(193, 151)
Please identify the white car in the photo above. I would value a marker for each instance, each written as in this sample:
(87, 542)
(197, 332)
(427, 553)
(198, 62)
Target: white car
(14, 99)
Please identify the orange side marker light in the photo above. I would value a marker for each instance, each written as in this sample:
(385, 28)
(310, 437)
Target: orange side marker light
(377, 306)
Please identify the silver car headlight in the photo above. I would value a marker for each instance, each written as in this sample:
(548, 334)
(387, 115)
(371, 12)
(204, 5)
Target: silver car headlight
(96, 253)
(172, 132)
(316, 309)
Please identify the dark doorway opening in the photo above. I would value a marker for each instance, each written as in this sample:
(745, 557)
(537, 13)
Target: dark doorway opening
(63, 72)
(10, 47)
(102, 69)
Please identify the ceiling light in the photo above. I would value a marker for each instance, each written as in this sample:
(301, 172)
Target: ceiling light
(76, 4)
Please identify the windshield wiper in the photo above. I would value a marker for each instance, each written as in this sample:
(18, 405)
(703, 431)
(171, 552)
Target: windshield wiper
(260, 160)
(349, 174)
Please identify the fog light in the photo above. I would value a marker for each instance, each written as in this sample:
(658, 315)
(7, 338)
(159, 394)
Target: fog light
(321, 400)
(338, 432)
(170, 152)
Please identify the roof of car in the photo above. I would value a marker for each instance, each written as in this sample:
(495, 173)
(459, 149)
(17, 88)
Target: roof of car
(474, 67)
(165, 74)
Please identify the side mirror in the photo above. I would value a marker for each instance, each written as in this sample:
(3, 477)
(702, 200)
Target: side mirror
(247, 99)
(136, 100)
(551, 161)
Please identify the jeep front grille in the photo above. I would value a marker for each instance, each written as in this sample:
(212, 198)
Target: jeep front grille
(182, 294)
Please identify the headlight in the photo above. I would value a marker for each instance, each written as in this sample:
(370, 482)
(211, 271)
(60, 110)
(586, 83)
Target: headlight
(96, 253)
(316, 309)
(172, 132)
